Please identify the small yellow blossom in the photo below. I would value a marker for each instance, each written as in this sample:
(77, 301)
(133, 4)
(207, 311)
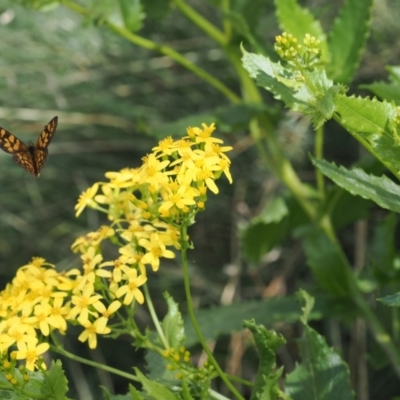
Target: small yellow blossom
(27, 350)
(155, 249)
(91, 331)
(130, 290)
(86, 199)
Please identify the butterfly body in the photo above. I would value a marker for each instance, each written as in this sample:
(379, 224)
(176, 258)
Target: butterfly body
(30, 157)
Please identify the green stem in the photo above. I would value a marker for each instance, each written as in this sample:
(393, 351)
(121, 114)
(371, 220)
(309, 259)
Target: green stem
(201, 22)
(192, 315)
(154, 317)
(225, 7)
(60, 350)
(319, 155)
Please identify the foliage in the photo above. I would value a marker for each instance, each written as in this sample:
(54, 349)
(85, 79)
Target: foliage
(149, 209)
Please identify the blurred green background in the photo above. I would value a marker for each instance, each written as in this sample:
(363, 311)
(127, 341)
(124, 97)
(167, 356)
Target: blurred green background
(114, 101)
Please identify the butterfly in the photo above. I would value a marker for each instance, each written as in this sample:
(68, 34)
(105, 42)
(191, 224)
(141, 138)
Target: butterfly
(30, 157)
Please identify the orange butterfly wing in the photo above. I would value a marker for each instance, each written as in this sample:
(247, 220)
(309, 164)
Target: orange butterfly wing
(31, 158)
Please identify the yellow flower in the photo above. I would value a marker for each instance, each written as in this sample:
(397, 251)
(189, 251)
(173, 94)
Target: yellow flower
(125, 178)
(90, 260)
(30, 352)
(151, 171)
(86, 199)
(109, 311)
(91, 331)
(203, 135)
(165, 146)
(130, 290)
(155, 249)
(179, 198)
(42, 312)
(82, 303)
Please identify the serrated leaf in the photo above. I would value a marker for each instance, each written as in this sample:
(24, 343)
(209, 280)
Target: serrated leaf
(173, 324)
(134, 393)
(266, 74)
(348, 38)
(266, 383)
(387, 91)
(132, 14)
(363, 116)
(155, 389)
(308, 305)
(380, 190)
(372, 121)
(315, 94)
(322, 374)
(55, 385)
(392, 300)
(298, 21)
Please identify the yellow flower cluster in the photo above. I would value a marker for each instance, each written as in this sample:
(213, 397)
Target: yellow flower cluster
(146, 207)
(40, 300)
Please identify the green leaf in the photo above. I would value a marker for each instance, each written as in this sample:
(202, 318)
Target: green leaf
(134, 393)
(173, 324)
(266, 74)
(392, 300)
(348, 38)
(372, 121)
(154, 389)
(328, 263)
(221, 320)
(364, 116)
(156, 366)
(388, 91)
(55, 385)
(132, 14)
(298, 21)
(380, 190)
(274, 212)
(325, 106)
(266, 383)
(308, 306)
(110, 396)
(271, 226)
(322, 374)
(315, 94)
